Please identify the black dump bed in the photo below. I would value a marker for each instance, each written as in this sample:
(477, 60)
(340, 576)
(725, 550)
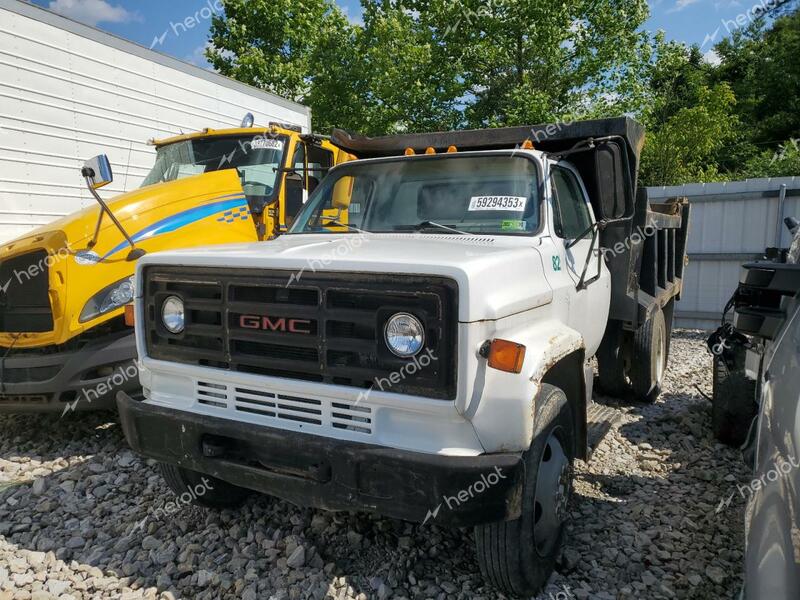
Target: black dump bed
(646, 263)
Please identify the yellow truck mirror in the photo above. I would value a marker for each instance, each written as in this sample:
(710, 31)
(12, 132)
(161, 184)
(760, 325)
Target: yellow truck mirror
(343, 193)
(97, 171)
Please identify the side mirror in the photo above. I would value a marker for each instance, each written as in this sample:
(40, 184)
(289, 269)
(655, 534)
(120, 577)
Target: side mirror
(343, 193)
(613, 198)
(98, 171)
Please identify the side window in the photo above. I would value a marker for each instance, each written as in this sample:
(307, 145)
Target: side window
(298, 162)
(320, 162)
(571, 216)
(294, 184)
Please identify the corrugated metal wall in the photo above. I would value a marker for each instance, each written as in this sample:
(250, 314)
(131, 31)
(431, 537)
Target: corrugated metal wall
(69, 92)
(731, 223)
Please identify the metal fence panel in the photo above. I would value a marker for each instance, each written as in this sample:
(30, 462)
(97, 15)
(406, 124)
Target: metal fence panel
(732, 222)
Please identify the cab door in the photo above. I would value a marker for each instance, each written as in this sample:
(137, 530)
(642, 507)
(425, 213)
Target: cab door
(309, 165)
(572, 218)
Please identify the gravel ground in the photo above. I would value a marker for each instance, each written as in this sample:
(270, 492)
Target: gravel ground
(77, 520)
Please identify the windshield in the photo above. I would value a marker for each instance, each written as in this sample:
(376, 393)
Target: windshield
(255, 158)
(442, 194)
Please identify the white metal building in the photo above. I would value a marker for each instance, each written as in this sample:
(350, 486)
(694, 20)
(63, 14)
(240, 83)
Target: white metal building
(69, 92)
(731, 223)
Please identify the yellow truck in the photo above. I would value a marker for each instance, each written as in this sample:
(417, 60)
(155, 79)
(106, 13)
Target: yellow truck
(64, 341)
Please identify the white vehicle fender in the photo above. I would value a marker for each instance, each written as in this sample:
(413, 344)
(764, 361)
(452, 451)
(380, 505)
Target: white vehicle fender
(502, 405)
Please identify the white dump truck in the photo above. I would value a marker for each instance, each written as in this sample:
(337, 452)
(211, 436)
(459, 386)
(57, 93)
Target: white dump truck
(425, 355)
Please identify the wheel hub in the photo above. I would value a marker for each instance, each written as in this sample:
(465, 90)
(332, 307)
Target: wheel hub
(551, 499)
(660, 355)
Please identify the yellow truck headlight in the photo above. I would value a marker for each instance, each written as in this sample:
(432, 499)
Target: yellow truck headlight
(109, 298)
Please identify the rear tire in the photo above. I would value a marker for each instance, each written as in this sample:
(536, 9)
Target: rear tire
(204, 490)
(518, 556)
(733, 403)
(611, 364)
(649, 358)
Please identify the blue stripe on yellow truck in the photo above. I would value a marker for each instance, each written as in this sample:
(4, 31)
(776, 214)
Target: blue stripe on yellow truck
(237, 206)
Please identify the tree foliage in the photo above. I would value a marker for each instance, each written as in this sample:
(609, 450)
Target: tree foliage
(421, 65)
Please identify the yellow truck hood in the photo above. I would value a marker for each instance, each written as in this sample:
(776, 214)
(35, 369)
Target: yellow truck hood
(205, 209)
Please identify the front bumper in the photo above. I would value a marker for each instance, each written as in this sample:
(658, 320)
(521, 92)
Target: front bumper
(331, 474)
(87, 378)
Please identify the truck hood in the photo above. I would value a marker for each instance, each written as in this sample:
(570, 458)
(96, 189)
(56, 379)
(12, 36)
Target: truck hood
(204, 209)
(496, 276)
(140, 209)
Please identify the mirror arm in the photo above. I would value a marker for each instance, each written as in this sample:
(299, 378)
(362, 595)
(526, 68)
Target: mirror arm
(582, 282)
(93, 241)
(135, 252)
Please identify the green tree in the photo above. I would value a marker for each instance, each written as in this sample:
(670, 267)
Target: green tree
(438, 64)
(685, 146)
(276, 44)
(528, 61)
(383, 76)
(761, 65)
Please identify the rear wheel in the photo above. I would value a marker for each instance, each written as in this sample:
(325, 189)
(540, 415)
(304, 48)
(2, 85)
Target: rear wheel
(733, 403)
(634, 364)
(202, 490)
(649, 361)
(518, 556)
(611, 363)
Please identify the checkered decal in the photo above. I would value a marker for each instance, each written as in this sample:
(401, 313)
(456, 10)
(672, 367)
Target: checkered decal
(229, 216)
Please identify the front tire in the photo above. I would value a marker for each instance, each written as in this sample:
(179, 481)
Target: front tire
(205, 491)
(518, 556)
(733, 402)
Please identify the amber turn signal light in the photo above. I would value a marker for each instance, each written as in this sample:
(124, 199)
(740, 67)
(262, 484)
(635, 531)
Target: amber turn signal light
(506, 356)
(130, 321)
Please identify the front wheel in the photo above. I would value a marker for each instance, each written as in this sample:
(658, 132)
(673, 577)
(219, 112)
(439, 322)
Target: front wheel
(733, 402)
(518, 556)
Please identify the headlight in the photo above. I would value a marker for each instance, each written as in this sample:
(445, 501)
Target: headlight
(172, 314)
(404, 335)
(112, 297)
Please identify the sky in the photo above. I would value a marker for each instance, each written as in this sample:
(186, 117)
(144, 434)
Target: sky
(180, 27)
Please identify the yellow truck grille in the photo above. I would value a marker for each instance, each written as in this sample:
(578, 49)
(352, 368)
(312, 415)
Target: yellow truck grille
(24, 296)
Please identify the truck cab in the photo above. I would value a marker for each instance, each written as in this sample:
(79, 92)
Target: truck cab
(418, 343)
(64, 342)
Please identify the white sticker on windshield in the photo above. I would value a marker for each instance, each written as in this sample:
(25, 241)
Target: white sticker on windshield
(509, 203)
(262, 143)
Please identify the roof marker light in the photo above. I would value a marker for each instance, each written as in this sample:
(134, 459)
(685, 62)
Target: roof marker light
(527, 145)
(452, 149)
(430, 150)
(409, 152)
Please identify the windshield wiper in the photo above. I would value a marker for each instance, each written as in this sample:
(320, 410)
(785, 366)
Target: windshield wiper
(429, 224)
(335, 221)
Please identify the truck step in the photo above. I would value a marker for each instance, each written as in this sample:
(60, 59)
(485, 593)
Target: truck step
(600, 420)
